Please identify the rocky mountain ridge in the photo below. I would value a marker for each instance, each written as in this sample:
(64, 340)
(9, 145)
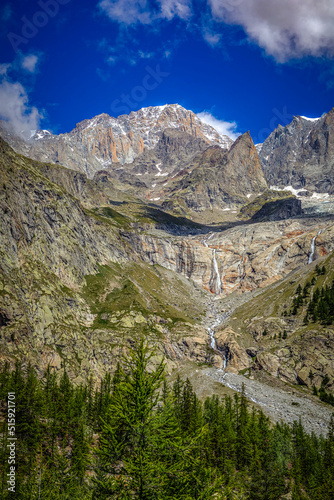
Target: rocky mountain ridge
(301, 155)
(183, 175)
(96, 143)
(220, 179)
(159, 154)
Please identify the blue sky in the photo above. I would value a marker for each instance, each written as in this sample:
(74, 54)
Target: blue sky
(243, 64)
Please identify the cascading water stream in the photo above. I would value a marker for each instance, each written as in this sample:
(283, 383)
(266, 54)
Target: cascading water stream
(310, 259)
(205, 241)
(215, 266)
(219, 320)
(211, 333)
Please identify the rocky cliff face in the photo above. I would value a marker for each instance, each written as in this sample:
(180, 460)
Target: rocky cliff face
(241, 258)
(218, 178)
(279, 210)
(185, 176)
(41, 220)
(48, 244)
(301, 154)
(103, 140)
(154, 169)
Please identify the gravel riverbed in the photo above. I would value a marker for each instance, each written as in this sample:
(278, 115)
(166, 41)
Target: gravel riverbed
(278, 404)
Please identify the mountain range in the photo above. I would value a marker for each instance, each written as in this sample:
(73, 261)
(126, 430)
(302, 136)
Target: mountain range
(156, 223)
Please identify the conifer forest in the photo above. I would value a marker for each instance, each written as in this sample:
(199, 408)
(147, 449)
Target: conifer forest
(137, 437)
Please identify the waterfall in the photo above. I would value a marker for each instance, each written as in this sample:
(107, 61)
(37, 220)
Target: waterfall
(310, 259)
(215, 265)
(220, 319)
(205, 241)
(212, 338)
(213, 345)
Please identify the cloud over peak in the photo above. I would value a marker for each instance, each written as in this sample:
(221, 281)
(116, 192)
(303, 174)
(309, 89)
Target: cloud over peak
(223, 127)
(15, 109)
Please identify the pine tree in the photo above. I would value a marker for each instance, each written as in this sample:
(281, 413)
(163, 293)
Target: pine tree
(125, 463)
(243, 447)
(143, 450)
(327, 489)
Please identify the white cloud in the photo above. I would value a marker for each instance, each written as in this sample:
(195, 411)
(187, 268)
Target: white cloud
(213, 39)
(288, 29)
(225, 128)
(29, 63)
(15, 109)
(175, 8)
(131, 12)
(104, 75)
(112, 59)
(127, 11)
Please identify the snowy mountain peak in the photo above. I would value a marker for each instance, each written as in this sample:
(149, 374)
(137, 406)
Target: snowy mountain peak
(143, 129)
(310, 119)
(36, 135)
(102, 140)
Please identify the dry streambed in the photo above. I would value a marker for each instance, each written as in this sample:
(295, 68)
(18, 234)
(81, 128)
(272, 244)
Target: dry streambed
(278, 404)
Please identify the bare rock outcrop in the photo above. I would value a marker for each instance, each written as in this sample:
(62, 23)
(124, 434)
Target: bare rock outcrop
(234, 356)
(247, 257)
(219, 178)
(301, 154)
